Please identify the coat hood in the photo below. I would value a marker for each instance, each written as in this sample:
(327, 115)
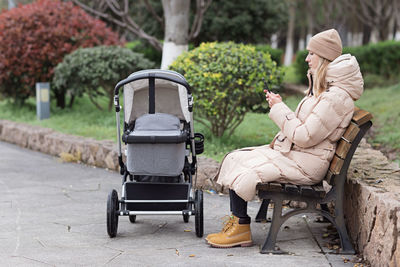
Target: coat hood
(344, 72)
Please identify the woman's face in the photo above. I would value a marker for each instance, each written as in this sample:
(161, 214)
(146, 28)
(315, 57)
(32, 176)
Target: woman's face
(313, 60)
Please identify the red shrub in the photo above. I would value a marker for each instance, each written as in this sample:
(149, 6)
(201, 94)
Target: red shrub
(34, 38)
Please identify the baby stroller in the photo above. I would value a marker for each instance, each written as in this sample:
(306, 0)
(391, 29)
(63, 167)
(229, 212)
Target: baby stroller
(161, 149)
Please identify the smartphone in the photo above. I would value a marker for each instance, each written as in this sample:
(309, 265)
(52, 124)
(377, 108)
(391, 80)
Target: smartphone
(266, 85)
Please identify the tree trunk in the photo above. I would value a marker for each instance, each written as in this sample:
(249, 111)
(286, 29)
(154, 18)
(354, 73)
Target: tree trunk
(366, 34)
(374, 37)
(290, 34)
(310, 21)
(302, 45)
(176, 35)
(71, 101)
(60, 98)
(274, 40)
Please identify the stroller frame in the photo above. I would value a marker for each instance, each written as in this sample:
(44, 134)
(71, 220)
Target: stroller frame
(157, 198)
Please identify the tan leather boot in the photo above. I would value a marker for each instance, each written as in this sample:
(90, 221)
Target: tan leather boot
(229, 219)
(236, 235)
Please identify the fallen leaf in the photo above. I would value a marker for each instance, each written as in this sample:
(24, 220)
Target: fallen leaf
(177, 251)
(325, 235)
(229, 255)
(345, 260)
(192, 255)
(187, 230)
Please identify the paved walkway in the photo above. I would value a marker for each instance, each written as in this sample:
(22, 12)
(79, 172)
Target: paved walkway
(53, 214)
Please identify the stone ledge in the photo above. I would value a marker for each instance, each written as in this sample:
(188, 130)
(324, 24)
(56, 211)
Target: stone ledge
(372, 204)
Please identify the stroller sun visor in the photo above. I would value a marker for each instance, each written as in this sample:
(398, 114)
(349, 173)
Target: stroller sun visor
(170, 98)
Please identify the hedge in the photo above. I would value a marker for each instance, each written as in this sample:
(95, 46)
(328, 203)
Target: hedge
(380, 59)
(276, 54)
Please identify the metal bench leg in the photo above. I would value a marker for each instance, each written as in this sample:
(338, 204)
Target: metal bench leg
(277, 221)
(347, 247)
(262, 212)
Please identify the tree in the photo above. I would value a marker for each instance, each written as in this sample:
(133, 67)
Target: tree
(242, 21)
(374, 14)
(290, 31)
(176, 22)
(35, 37)
(96, 70)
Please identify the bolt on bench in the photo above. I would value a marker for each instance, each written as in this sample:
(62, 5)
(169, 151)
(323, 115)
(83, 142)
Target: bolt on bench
(315, 194)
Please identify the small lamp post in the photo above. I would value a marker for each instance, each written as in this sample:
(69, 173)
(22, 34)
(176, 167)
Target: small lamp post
(43, 100)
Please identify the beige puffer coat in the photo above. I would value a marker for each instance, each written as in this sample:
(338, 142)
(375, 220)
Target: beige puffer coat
(301, 152)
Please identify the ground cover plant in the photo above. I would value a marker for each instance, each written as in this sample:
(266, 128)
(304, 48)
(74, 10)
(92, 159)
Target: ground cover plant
(384, 103)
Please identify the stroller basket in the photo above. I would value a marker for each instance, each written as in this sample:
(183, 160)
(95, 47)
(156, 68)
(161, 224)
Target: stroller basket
(148, 196)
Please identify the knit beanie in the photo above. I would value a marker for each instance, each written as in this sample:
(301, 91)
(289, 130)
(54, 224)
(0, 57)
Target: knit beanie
(326, 44)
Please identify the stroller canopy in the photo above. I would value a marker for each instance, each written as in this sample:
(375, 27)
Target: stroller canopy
(170, 97)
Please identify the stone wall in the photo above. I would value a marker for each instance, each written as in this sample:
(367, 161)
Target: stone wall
(102, 154)
(372, 204)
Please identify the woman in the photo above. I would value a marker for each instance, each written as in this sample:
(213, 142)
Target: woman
(301, 152)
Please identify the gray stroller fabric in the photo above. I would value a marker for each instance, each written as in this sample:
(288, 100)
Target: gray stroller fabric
(157, 122)
(156, 158)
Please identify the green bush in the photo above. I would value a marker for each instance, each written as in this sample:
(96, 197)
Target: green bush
(96, 70)
(276, 54)
(227, 82)
(380, 59)
(301, 66)
(148, 51)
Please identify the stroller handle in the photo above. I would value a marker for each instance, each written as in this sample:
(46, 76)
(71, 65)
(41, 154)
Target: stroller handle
(147, 75)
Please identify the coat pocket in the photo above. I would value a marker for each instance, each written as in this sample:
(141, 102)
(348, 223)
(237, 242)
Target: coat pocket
(282, 144)
(290, 116)
(281, 138)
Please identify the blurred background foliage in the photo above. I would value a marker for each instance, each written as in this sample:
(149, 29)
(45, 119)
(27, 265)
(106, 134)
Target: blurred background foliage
(369, 29)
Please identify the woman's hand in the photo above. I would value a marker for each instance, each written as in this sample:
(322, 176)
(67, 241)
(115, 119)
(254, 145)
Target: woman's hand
(272, 98)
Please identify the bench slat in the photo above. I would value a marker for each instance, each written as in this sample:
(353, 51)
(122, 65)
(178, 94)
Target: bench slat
(329, 176)
(336, 165)
(351, 132)
(273, 187)
(342, 148)
(361, 116)
(319, 190)
(291, 188)
(307, 190)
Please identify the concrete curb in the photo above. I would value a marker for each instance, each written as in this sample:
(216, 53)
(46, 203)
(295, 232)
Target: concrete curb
(372, 205)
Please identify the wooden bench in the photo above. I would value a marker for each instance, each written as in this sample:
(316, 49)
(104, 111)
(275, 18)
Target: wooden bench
(315, 196)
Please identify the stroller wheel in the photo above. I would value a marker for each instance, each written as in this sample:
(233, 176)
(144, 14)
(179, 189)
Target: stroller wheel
(186, 217)
(198, 205)
(132, 218)
(112, 213)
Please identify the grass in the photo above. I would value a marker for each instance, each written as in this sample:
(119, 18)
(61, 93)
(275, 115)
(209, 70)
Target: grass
(257, 129)
(82, 119)
(384, 104)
